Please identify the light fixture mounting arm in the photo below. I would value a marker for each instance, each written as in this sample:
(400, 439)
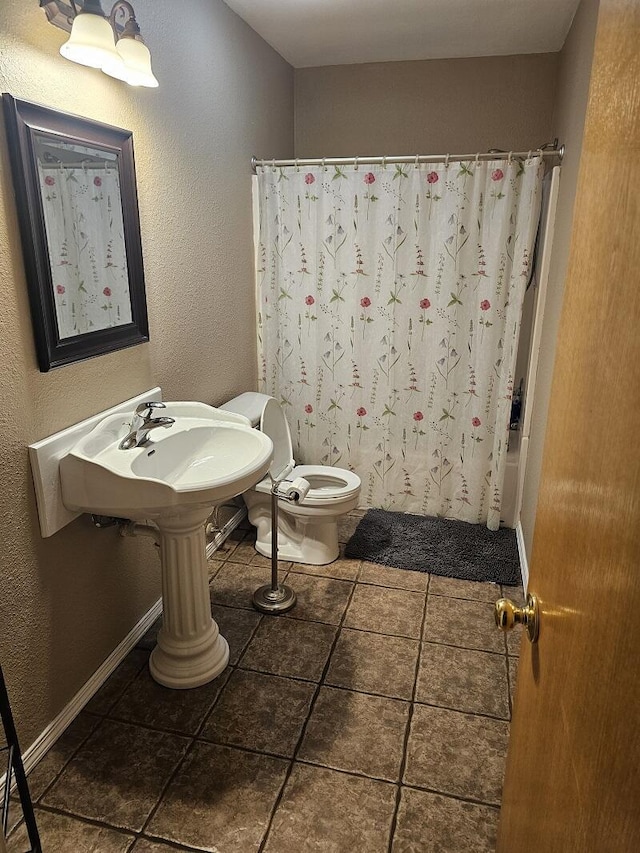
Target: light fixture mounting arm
(61, 13)
(130, 29)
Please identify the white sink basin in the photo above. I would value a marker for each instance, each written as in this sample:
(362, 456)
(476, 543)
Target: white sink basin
(207, 456)
(204, 458)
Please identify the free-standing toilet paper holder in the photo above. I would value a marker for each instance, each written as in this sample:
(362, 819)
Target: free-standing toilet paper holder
(276, 597)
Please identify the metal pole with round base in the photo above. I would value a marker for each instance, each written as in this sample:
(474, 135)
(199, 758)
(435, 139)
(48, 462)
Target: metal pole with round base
(274, 597)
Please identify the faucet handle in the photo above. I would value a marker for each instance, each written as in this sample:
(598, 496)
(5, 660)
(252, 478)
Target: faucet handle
(145, 410)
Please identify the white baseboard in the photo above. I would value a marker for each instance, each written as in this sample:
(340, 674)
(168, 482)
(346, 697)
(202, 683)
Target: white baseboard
(42, 744)
(522, 552)
(226, 530)
(56, 727)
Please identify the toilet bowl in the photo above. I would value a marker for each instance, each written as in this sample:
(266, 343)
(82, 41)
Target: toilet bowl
(308, 529)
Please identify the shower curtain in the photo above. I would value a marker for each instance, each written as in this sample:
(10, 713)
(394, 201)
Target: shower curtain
(389, 302)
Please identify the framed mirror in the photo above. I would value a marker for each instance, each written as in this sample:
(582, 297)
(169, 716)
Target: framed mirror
(75, 188)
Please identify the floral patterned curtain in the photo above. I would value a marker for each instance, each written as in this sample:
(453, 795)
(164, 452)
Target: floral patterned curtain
(389, 304)
(85, 232)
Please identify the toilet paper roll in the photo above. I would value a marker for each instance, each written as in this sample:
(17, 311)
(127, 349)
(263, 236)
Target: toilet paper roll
(294, 490)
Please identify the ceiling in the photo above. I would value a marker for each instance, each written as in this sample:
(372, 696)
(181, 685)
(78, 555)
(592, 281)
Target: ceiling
(338, 32)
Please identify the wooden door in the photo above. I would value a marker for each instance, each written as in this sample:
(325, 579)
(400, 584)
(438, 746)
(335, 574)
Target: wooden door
(573, 770)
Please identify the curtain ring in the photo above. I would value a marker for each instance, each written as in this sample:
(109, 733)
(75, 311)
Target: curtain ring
(384, 162)
(324, 168)
(509, 158)
(529, 156)
(355, 164)
(417, 163)
(297, 166)
(273, 164)
(446, 161)
(477, 157)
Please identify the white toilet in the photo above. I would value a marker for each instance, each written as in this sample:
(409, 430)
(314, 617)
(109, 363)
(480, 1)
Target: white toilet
(307, 530)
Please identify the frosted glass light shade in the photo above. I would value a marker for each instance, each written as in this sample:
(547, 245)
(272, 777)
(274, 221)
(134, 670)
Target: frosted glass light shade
(91, 41)
(134, 66)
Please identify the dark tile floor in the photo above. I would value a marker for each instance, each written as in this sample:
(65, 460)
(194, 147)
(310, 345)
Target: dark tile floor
(373, 718)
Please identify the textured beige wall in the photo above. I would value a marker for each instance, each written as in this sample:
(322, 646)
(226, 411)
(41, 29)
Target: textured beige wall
(224, 94)
(568, 125)
(430, 106)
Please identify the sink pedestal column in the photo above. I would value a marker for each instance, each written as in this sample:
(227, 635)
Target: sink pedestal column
(190, 649)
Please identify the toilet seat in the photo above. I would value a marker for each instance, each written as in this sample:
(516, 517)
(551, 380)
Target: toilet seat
(274, 424)
(328, 485)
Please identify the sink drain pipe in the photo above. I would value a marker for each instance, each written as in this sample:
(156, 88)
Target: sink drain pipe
(277, 597)
(126, 527)
(134, 528)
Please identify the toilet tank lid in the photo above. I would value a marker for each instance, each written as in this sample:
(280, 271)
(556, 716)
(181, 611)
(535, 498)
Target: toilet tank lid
(250, 404)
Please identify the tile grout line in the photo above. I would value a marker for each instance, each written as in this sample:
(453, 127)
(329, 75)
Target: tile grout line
(140, 724)
(91, 821)
(283, 574)
(165, 787)
(407, 733)
(255, 751)
(447, 794)
(65, 764)
(171, 845)
(179, 845)
(194, 738)
(463, 648)
(466, 713)
(101, 718)
(137, 835)
(367, 582)
(105, 714)
(197, 734)
(451, 796)
(303, 731)
(506, 663)
(378, 586)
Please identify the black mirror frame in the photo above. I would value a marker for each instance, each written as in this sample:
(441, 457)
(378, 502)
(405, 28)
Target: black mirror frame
(22, 119)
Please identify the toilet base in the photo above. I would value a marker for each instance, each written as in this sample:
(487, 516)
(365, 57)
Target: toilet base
(302, 538)
(314, 553)
(307, 530)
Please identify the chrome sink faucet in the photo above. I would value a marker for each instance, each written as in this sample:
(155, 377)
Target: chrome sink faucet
(142, 424)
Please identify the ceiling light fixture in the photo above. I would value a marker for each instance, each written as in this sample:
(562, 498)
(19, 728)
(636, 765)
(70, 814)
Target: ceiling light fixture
(103, 42)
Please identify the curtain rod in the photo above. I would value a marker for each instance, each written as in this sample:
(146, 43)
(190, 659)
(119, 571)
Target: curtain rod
(547, 150)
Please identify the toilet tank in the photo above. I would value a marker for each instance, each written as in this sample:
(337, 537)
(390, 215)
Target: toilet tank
(250, 404)
(272, 421)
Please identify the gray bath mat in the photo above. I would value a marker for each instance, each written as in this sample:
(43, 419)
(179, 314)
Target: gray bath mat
(453, 549)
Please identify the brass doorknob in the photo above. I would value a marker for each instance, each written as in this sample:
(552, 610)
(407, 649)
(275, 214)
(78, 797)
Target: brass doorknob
(508, 614)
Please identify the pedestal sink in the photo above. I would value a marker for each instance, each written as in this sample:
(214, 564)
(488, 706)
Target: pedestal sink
(206, 457)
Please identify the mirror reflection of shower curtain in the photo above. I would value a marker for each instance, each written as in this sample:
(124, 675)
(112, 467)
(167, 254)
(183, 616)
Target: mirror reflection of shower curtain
(85, 233)
(389, 303)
